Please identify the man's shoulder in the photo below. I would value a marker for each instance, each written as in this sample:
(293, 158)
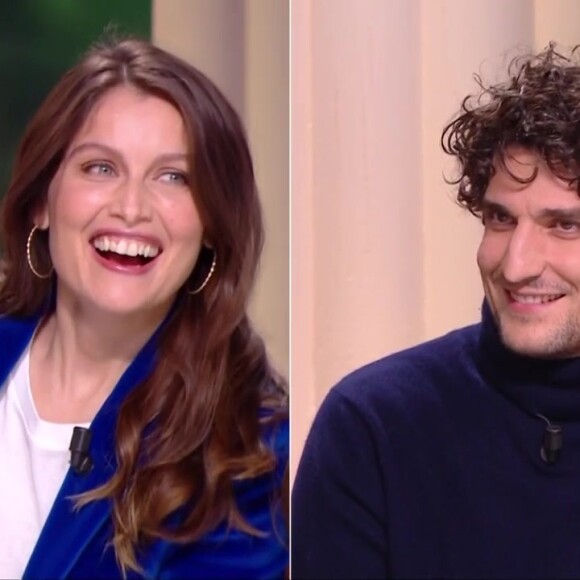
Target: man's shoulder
(415, 372)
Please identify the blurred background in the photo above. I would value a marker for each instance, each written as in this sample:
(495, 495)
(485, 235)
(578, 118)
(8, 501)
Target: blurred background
(242, 45)
(382, 258)
(39, 40)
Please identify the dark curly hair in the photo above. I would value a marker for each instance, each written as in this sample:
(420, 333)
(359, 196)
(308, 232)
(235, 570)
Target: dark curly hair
(537, 108)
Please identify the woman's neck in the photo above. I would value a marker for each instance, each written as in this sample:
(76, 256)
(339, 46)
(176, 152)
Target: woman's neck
(78, 356)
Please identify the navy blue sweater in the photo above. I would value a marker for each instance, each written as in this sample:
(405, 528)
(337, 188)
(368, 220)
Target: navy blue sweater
(426, 464)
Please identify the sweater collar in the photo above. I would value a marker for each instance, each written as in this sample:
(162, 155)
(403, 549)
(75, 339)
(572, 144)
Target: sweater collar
(550, 387)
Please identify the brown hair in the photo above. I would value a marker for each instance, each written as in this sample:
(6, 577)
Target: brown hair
(537, 108)
(212, 380)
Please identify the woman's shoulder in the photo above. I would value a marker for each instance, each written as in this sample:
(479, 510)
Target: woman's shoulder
(15, 334)
(8, 320)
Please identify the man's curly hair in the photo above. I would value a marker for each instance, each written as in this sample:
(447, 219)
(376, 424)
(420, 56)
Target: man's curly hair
(537, 108)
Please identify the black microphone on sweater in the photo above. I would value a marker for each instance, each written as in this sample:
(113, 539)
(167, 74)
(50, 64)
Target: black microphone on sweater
(80, 459)
(551, 443)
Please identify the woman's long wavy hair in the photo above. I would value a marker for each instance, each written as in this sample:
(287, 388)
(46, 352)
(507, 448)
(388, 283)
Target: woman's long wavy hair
(201, 404)
(537, 109)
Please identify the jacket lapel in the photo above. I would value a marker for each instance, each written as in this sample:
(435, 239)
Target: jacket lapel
(15, 334)
(67, 531)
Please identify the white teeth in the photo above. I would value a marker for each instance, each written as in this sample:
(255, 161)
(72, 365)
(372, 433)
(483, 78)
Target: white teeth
(132, 249)
(122, 247)
(525, 299)
(125, 247)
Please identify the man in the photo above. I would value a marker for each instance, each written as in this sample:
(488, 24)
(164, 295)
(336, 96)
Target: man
(460, 458)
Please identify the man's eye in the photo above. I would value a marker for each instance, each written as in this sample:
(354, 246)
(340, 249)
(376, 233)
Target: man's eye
(567, 227)
(496, 218)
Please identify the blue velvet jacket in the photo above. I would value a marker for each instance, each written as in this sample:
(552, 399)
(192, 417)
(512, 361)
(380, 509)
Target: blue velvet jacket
(75, 543)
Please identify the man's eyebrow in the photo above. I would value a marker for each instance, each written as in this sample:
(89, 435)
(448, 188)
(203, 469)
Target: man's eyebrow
(493, 206)
(572, 214)
(564, 214)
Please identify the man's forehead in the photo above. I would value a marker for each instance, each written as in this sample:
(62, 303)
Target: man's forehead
(516, 169)
(526, 175)
(516, 166)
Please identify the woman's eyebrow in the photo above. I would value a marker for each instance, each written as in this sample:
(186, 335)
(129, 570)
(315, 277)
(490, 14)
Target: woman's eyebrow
(164, 157)
(168, 157)
(92, 145)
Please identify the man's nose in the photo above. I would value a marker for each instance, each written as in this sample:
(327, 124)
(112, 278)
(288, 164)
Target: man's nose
(525, 256)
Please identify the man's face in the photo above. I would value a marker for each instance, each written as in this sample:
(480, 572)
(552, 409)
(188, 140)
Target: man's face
(529, 259)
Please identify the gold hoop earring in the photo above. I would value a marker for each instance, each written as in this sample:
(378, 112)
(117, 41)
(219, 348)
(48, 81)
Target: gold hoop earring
(207, 278)
(29, 256)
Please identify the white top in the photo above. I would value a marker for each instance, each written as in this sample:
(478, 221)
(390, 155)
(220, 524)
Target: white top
(34, 459)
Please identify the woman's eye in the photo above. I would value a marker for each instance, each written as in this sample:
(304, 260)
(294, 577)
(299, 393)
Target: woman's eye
(176, 177)
(99, 169)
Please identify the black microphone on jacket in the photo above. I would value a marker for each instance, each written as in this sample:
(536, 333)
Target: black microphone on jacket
(551, 443)
(80, 460)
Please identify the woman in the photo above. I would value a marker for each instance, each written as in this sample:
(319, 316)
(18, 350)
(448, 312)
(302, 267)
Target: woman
(131, 232)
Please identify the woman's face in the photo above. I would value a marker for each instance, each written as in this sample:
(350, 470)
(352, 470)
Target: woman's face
(124, 232)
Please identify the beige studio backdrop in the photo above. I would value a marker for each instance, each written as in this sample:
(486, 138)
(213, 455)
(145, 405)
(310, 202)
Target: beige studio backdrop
(243, 46)
(381, 256)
